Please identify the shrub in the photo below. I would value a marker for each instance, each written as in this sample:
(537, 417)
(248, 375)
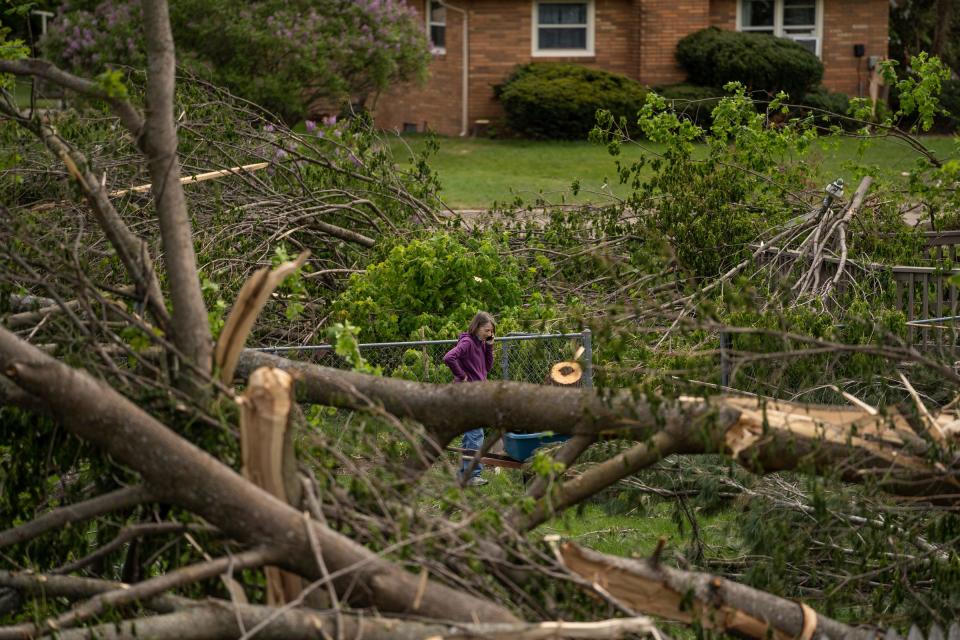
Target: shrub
(560, 101)
(432, 288)
(693, 101)
(821, 103)
(714, 57)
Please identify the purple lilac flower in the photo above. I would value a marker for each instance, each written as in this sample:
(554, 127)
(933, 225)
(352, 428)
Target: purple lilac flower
(311, 126)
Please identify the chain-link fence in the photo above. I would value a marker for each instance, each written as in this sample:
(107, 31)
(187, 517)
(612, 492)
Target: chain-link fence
(518, 357)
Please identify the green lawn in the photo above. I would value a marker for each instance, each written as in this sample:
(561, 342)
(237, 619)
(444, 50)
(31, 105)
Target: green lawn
(475, 172)
(21, 96)
(633, 533)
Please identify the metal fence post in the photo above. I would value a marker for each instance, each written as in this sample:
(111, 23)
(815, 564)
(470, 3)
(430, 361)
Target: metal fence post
(505, 361)
(588, 358)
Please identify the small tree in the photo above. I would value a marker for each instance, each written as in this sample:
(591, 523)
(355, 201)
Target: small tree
(282, 55)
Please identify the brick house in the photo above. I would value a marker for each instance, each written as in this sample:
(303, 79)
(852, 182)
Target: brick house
(634, 37)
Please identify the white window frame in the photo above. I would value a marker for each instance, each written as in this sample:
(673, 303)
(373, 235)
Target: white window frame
(430, 23)
(779, 29)
(535, 49)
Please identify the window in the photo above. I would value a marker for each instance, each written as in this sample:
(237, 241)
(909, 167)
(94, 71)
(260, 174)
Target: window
(437, 26)
(798, 20)
(563, 28)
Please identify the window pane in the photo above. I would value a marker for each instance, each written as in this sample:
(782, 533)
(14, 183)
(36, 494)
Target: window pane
(799, 12)
(563, 13)
(562, 38)
(810, 44)
(438, 13)
(438, 35)
(757, 13)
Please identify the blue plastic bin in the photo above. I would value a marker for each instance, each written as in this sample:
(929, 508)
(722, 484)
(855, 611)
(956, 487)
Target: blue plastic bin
(520, 446)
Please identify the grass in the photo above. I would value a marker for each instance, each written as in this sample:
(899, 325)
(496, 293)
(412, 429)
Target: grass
(21, 96)
(595, 524)
(476, 172)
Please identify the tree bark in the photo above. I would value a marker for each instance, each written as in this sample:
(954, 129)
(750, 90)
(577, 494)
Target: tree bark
(184, 475)
(715, 603)
(598, 478)
(762, 436)
(191, 329)
(114, 501)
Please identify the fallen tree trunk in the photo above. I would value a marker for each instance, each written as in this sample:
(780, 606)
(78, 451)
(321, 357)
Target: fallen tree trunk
(711, 601)
(186, 619)
(182, 474)
(763, 436)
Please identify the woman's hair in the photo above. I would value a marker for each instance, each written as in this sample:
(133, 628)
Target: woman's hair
(479, 320)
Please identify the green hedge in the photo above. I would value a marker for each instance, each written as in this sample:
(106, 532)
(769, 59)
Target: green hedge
(713, 57)
(560, 101)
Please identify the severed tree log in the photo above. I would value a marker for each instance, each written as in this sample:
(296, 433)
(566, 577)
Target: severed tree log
(266, 444)
(186, 619)
(711, 601)
(763, 436)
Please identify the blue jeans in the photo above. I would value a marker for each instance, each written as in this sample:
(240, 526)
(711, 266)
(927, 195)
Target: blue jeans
(472, 439)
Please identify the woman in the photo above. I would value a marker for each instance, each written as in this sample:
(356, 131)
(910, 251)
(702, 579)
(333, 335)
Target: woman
(471, 361)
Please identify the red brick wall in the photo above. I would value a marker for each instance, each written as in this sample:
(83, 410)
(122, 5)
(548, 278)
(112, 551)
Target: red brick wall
(663, 23)
(436, 104)
(500, 39)
(723, 14)
(634, 37)
(846, 23)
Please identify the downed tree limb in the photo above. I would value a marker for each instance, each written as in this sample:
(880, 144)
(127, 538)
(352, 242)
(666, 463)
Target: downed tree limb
(126, 535)
(567, 455)
(30, 318)
(763, 436)
(222, 621)
(114, 501)
(711, 601)
(77, 588)
(199, 177)
(131, 249)
(266, 446)
(596, 479)
(246, 308)
(212, 618)
(182, 474)
(127, 594)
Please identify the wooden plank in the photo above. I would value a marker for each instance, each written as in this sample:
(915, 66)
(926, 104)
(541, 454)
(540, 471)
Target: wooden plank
(939, 306)
(911, 332)
(953, 323)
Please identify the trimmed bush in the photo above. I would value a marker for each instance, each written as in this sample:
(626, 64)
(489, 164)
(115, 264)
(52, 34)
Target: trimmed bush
(693, 101)
(820, 98)
(560, 101)
(713, 57)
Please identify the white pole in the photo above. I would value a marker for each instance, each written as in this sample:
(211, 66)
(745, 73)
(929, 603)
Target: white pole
(465, 74)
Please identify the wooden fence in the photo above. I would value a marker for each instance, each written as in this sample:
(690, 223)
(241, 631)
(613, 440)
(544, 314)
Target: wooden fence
(924, 294)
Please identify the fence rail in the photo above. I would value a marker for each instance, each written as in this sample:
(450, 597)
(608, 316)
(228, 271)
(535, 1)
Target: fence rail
(520, 357)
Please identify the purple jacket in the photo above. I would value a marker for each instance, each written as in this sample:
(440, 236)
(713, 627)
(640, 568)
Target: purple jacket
(470, 360)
